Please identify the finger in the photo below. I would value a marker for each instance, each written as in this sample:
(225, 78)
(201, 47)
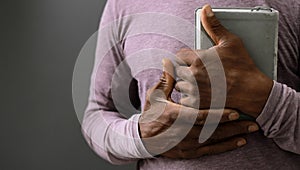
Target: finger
(216, 31)
(186, 87)
(166, 83)
(185, 57)
(198, 117)
(230, 129)
(226, 130)
(185, 73)
(217, 148)
(189, 143)
(189, 100)
(190, 96)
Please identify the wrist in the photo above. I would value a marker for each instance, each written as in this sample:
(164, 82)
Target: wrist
(251, 94)
(259, 89)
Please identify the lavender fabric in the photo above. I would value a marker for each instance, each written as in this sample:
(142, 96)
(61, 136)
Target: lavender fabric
(134, 36)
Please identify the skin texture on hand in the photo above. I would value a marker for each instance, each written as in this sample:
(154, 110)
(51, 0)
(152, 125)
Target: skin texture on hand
(172, 130)
(247, 87)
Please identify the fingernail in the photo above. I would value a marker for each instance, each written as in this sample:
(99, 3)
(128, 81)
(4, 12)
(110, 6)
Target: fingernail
(209, 11)
(253, 128)
(233, 116)
(241, 142)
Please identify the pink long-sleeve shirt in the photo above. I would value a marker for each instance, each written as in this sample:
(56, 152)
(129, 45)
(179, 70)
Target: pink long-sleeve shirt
(134, 36)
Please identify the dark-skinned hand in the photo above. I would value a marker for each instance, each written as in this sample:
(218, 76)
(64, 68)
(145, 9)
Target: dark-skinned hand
(172, 130)
(246, 86)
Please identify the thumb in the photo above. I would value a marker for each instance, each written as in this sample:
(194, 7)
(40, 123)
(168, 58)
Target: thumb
(212, 25)
(167, 81)
(163, 89)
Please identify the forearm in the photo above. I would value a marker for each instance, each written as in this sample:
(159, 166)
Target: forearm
(280, 119)
(112, 137)
(109, 134)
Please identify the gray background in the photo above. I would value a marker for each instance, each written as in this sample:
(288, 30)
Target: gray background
(40, 41)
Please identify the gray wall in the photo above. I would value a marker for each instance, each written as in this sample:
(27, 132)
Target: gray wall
(40, 41)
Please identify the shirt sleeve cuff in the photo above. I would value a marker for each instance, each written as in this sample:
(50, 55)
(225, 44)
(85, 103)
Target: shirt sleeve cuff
(269, 112)
(141, 150)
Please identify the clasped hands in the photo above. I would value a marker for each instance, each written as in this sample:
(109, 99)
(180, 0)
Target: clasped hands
(172, 130)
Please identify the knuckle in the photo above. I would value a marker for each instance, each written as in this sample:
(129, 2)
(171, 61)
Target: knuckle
(195, 71)
(190, 73)
(179, 85)
(194, 101)
(179, 72)
(189, 89)
(199, 73)
(198, 61)
(185, 101)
